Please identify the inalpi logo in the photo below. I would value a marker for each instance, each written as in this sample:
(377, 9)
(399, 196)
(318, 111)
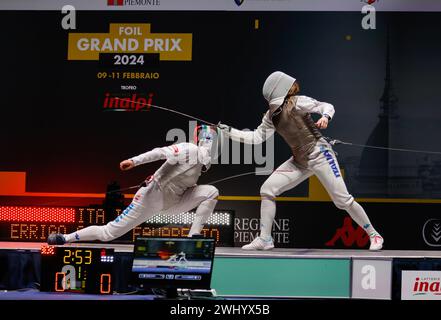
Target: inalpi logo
(127, 102)
(427, 285)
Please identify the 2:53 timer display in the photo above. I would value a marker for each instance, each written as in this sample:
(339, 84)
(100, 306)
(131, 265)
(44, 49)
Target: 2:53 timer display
(81, 270)
(78, 256)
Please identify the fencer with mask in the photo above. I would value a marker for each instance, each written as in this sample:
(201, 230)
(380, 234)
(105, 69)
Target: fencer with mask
(289, 115)
(172, 189)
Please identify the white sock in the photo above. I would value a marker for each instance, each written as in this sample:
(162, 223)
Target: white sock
(358, 214)
(267, 214)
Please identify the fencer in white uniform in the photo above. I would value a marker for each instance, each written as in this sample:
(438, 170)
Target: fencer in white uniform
(289, 114)
(172, 189)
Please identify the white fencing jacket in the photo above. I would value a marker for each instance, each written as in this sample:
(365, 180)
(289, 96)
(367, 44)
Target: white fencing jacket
(182, 168)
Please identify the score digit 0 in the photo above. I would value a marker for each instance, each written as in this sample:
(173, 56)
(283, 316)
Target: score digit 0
(57, 282)
(68, 280)
(103, 284)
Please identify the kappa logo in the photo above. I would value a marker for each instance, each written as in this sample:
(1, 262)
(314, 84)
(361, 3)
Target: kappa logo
(432, 232)
(349, 235)
(239, 2)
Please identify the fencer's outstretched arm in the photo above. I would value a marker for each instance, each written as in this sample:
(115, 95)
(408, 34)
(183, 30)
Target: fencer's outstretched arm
(172, 153)
(263, 132)
(150, 156)
(266, 128)
(310, 105)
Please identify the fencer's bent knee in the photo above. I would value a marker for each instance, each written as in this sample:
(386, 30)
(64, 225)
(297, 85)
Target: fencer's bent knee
(267, 191)
(344, 203)
(212, 192)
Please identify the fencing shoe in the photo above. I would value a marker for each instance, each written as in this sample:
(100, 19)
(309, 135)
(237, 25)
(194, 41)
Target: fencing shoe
(259, 244)
(56, 238)
(376, 242)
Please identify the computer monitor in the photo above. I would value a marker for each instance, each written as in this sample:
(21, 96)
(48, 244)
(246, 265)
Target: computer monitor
(171, 263)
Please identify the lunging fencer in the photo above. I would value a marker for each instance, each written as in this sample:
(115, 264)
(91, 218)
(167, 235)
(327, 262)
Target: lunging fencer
(170, 190)
(289, 115)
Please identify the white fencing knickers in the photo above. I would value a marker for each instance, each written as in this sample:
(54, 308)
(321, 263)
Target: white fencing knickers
(149, 201)
(323, 163)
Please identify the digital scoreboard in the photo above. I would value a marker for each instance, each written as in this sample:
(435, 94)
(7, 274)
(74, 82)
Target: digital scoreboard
(220, 227)
(34, 224)
(80, 270)
(26, 223)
